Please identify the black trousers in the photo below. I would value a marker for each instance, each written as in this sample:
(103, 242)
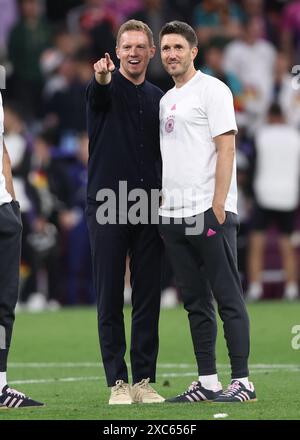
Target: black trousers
(110, 245)
(205, 266)
(10, 251)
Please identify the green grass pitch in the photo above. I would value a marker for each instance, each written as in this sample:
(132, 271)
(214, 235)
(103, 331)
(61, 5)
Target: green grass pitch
(55, 358)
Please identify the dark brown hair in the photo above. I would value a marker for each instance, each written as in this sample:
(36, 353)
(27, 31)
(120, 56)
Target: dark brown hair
(180, 28)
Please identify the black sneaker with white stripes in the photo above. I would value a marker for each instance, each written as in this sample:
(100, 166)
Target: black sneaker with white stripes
(237, 392)
(11, 398)
(196, 393)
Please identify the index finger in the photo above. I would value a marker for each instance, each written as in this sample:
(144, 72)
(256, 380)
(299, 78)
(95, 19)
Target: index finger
(107, 57)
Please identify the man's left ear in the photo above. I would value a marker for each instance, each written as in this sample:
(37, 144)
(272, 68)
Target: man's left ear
(152, 51)
(194, 52)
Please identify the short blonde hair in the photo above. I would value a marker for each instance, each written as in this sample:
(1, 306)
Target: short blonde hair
(135, 25)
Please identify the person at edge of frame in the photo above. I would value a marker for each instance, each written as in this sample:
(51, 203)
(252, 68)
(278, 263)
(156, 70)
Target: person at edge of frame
(10, 255)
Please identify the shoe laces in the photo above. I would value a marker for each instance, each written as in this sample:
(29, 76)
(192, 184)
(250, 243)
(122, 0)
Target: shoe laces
(232, 389)
(121, 387)
(15, 392)
(144, 384)
(191, 388)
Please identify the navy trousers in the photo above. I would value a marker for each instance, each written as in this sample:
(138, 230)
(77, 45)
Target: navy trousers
(110, 245)
(205, 267)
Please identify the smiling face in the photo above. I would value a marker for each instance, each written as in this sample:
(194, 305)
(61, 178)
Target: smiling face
(177, 55)
(134, 52)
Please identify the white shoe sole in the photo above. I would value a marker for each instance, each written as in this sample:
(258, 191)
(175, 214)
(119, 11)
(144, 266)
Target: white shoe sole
(126, 402)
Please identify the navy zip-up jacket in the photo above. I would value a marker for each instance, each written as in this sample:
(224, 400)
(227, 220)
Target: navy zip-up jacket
(123, 129)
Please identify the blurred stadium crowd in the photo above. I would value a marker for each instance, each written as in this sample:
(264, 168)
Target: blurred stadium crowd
(48, 49)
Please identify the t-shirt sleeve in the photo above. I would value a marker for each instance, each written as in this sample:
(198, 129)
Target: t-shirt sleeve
(219, 108)
(160, 109)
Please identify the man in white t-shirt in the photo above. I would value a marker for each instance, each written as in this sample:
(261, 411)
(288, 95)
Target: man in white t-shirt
(252, 60)
(276, 194)
(198, 215)
(10, 250)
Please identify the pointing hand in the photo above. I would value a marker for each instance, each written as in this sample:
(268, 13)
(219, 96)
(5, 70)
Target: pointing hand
(104, 66)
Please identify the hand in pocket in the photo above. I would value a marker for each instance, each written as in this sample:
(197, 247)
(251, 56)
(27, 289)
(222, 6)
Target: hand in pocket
(220, 214)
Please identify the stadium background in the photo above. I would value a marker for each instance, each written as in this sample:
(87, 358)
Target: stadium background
(48, 49)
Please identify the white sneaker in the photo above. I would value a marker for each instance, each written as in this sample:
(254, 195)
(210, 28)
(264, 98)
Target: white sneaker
(291, 291)
(120, 394)
(254, 292)
(169, 298)
(142, 392)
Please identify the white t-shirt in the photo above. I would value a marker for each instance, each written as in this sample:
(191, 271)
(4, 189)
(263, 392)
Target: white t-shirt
(253, 64)
(5, 197)
(289, 99)
(276, 180)
(190, 117)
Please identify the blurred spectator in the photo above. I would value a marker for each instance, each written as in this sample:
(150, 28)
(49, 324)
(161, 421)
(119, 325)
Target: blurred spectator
(244, 209)
(252, 60)
(286, 91)
(58, 9)
(91, 13)
(17, 143)
(214, 65)
(267, 15)
(276, 190)
(51, 61)
(65, 42)
(122, 9)
(290, 32)
(85, 17)
(19, 149)
(65, 46)
(79, 285)
(156, 13)
(103, 39)
(217, 18)
(65, 107)
(183, 8)
(94, 24)
(7, 20)
(48, 177)
(27, 40)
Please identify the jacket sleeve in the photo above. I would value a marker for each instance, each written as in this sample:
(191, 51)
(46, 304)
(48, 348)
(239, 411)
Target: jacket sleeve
(98, 97)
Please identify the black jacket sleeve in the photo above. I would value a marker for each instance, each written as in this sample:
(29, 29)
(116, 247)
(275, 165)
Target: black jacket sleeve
(98, 97)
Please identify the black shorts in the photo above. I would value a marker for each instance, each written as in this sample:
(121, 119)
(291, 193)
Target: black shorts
(264, 218)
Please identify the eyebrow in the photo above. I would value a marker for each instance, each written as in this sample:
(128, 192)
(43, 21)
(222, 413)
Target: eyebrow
(176, 46)
(137, 45)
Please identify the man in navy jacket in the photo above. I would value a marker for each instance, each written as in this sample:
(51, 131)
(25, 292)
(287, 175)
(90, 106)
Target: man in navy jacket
(124, 155)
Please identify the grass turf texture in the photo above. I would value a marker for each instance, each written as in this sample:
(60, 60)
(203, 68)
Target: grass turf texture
(55, 358)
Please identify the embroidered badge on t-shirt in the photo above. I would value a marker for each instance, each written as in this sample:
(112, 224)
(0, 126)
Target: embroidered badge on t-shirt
(170, 123)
